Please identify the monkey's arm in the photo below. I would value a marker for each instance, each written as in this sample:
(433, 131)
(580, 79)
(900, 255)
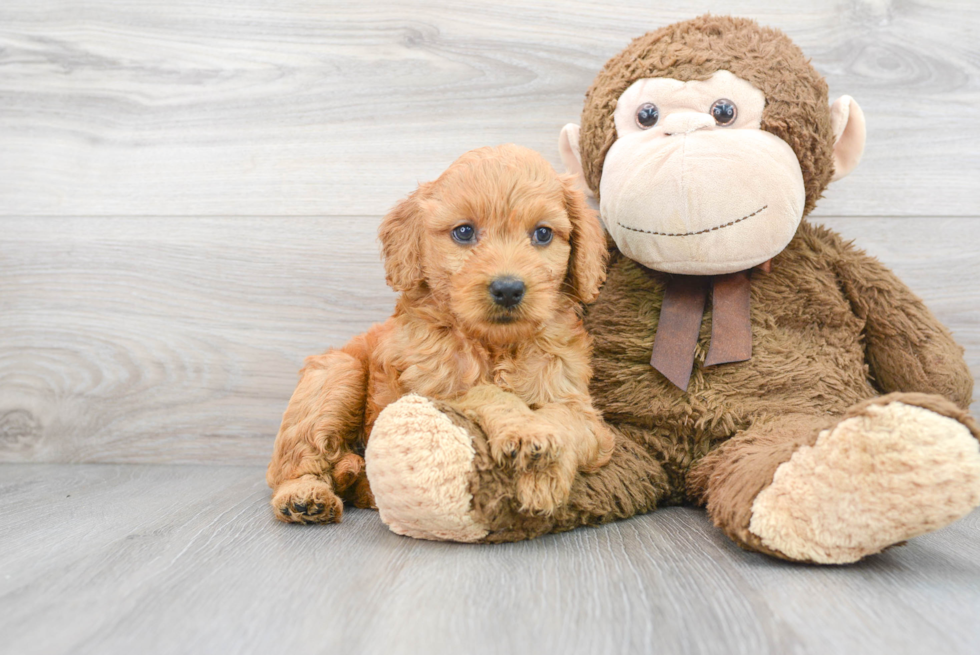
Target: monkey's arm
(907, 348)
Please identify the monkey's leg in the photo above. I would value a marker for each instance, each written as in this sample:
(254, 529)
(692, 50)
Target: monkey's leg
(313, 463)
(832, 491)
(434, 477)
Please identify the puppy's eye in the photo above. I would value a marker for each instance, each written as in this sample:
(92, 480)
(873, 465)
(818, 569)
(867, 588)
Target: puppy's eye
(647, 115)
(724, 111)
(464, 234)
(541, 236)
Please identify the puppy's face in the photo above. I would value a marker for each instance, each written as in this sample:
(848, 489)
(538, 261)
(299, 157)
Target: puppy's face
(499, 235)
(497, 246)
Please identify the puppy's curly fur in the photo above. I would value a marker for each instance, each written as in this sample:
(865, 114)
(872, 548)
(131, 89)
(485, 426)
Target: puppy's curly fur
(522, 370)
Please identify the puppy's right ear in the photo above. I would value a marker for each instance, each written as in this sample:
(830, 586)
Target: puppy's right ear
(401, 243)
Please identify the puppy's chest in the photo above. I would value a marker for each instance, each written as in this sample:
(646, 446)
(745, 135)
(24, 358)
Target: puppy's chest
(540, 376)
(526, 378)
(537, 378)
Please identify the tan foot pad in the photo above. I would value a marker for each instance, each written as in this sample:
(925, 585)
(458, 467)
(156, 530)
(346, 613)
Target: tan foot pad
(892, 473)
(419, 464)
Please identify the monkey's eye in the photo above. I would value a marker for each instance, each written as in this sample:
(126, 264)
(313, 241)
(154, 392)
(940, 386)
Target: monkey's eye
(465, 234)
(541, 236)
(724, 111)
(647, 115)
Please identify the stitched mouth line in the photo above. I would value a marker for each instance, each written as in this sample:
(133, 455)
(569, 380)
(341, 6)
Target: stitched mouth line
(690, 234)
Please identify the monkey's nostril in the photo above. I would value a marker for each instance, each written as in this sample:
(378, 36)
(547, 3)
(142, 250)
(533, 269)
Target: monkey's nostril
(686, 122)
(507, 291)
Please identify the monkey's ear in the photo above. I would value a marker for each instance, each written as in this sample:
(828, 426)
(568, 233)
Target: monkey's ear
(587, 263)
(847, 121)
(571, 157)
(401, 243)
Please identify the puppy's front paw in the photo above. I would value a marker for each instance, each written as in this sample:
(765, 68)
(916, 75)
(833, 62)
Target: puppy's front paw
(526, 445)
(307, 500)
(545, 469)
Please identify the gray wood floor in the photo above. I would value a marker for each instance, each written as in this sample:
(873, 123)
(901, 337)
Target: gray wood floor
(187, 559)
(189, 194)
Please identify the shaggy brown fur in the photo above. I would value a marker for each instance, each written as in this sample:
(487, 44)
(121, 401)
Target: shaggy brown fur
(832, 328)
(522, 371)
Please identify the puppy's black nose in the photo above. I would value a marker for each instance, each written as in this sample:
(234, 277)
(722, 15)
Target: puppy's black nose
(507, 291)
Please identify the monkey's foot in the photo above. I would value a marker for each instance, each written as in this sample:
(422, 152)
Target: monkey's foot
(420, 464)
(890, 471)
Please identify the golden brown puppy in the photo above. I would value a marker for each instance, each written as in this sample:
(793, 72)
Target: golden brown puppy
(493, 261)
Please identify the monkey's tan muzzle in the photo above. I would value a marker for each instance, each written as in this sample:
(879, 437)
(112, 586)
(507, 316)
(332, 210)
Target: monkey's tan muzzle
(701, 201)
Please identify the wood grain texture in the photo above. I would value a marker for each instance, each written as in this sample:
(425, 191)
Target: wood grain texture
(195, 107)
(163, 559)
(171, 339)
(178, 339)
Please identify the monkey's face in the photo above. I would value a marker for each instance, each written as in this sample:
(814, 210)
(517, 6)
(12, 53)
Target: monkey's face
(692, 185)
(707, 141)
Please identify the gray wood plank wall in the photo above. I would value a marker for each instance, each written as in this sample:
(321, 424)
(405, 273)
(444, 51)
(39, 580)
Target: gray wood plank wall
(189, 191)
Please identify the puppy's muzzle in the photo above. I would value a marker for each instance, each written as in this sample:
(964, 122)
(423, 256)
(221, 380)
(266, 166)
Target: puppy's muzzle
(507, 291)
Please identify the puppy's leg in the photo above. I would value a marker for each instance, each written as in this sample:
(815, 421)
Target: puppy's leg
(514, 435)
(546, 447)
(583, 432)
(578, 441)
(313, 462)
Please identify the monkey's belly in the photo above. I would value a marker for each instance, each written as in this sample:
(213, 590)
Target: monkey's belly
(807, 355)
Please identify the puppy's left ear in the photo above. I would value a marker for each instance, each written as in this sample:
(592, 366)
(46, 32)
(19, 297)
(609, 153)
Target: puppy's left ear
(587, 263)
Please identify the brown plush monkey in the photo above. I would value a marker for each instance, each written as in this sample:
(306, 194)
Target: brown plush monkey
(747, 360)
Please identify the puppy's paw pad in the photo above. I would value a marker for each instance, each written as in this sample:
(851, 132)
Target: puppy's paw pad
(307, 500)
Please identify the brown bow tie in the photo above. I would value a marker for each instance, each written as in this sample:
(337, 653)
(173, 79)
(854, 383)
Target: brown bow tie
(680, 323)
